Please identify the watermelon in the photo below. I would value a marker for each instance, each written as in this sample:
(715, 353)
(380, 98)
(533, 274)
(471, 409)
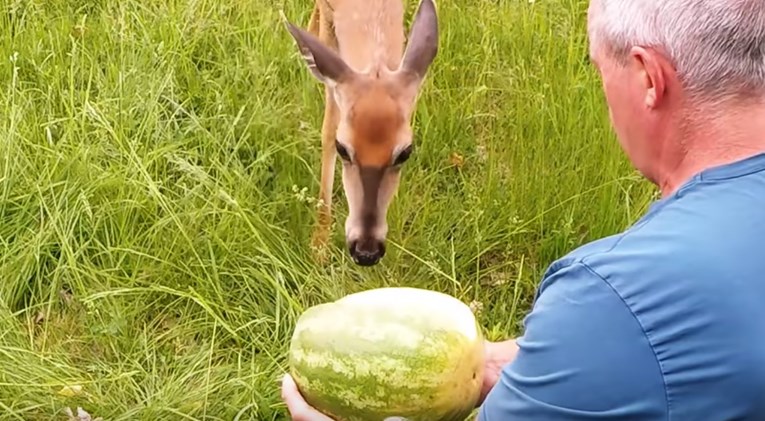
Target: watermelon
(387, 353)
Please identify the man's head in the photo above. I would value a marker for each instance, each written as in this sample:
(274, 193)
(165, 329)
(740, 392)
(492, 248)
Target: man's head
(667, 65)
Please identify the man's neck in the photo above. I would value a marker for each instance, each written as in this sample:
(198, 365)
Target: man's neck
(722, 138)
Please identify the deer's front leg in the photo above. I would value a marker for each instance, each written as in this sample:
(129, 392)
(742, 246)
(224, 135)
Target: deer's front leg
(322, 24)
(328, 158)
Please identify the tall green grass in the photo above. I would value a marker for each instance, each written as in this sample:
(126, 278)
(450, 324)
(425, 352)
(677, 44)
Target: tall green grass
(157, 164)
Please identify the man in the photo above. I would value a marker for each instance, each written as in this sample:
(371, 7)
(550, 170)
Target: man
(666, 320)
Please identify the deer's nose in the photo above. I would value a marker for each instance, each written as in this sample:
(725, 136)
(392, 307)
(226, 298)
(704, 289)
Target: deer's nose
(367, 251)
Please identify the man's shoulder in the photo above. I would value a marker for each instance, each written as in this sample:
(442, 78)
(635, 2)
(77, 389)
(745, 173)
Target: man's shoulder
(579, 338)
(578, 256)
(705, 228)
(594, 257)
(694, 265)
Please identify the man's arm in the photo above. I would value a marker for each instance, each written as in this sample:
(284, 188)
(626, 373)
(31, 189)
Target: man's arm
(583, 356)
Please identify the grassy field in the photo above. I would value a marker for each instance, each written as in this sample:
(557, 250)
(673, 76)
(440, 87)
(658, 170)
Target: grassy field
(158, 161)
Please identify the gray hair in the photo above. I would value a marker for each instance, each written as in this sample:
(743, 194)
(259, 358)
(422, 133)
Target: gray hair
(717, 46)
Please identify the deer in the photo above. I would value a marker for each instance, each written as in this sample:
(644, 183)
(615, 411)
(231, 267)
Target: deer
(372, 78)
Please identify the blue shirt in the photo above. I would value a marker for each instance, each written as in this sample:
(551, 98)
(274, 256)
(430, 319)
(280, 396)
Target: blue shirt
(665, 321)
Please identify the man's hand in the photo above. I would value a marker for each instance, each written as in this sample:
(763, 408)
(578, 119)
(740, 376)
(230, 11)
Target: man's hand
(497, 355)
(298, 408)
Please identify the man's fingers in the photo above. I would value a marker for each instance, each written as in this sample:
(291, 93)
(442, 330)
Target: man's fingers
(297, 406)
(288, 386)
(291, 395)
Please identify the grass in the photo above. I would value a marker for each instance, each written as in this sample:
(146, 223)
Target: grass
(157, 164)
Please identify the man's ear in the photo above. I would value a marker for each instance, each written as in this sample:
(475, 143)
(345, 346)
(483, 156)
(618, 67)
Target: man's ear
(652, 69)
(422, 46)
(323, 62)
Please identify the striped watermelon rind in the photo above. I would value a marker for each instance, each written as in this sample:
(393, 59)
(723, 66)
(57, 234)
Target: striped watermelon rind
(389, 352)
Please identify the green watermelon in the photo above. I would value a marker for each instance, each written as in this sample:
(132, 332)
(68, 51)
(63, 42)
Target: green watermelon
(389, 352)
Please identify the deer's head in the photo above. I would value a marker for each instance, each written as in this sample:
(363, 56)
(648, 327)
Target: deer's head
(374, 135)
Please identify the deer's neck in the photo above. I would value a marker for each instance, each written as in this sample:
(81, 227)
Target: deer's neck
(369, 32)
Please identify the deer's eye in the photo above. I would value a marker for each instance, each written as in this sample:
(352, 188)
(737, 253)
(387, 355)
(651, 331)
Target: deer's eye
(403, 156)
(342, 151)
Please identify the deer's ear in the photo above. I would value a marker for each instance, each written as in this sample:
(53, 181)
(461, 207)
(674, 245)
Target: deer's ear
(422, 45)
(323, 62)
